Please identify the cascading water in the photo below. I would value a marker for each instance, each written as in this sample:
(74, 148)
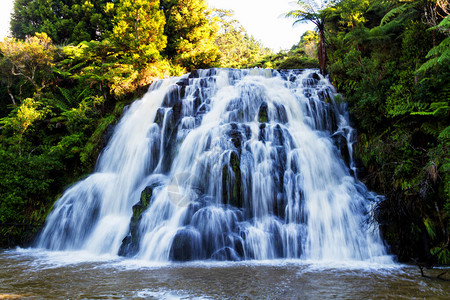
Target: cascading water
(225, 165)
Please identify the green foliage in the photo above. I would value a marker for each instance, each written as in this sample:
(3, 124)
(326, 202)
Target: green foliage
(237, 48)
(63, 21)
(391, 64)
(29, 61)
(443, 255)
(439, 56)
(138, 30)
(190, 33)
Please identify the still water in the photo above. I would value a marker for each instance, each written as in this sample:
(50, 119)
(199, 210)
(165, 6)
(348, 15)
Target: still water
(77, 275)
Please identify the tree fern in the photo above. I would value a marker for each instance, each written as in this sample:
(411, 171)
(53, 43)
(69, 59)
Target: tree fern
(392, 13)
(440, 56)
(438, 109)
(445, 134)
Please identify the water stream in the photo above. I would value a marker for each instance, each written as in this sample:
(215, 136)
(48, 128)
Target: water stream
(34, 274)
(225, 165)
(220, 184)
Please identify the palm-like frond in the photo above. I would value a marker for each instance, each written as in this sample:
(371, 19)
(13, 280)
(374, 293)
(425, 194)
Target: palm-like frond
(307, 11)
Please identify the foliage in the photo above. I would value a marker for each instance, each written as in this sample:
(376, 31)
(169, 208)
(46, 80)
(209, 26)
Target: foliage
(32, 60)
(237, 48)
(63, 21)
(57, 101)
(190, 33)
(300, 56)
(390, 60)
(309, 11)
(138, 31)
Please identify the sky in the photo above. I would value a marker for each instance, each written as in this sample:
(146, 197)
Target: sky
(261, 18)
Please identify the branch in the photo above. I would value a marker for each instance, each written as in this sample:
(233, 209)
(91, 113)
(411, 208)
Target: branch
(8, 87)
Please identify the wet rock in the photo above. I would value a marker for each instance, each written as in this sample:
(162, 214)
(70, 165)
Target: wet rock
(130, 244)
(277, 240)
(183, 82)
(191, 210)
(263, 116)
(231, 182)
(278, 135)
(324, 95)
(108, 134)
(315, 76)
(159, 118)
(226, 254)
(185, 245)
(194, 74)
(203, 108)
(307, 93)
(177, 111)
(279, 205)
(239, 246)
(211, 72)
(172, 96)
(236, 136)
(262, 132)
(280, 113)
(341, 144)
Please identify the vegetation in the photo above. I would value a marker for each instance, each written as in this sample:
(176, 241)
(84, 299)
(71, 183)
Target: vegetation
(309, 11)
(68, 72)
(65, 77)
(64, 22)
(300, 56)
(390, 59)
(238, 48)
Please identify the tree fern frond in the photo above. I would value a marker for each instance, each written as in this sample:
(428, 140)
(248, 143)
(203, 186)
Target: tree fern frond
(439, 55)
(444, 134)
(393, 12)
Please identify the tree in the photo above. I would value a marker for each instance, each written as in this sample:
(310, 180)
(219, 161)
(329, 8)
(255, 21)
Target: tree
(64, 21)
(31, 60)
(190, 33)
(309, 41)
(309, 11)
(237, 48)
(438, 16)
(390, 61)
(138, 30)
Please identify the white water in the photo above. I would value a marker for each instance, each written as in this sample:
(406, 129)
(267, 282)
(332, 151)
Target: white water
(225, 183)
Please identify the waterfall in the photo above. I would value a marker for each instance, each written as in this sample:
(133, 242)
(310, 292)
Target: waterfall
(226, 165)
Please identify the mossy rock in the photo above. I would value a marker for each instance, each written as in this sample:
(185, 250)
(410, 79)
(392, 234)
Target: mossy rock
(130, 244)
(263, 114)
(232, 191)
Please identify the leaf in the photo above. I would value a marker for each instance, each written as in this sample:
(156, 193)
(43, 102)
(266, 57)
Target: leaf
(445, 134)
(393, 12)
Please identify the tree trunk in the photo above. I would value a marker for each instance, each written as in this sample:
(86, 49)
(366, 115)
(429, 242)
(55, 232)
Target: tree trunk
(322, 55)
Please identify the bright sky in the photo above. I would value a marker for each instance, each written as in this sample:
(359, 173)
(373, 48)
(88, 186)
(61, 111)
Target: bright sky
(6, 7)
(264, 19)
(261, 18)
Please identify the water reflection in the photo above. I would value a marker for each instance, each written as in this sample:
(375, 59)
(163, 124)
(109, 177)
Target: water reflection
(26, 274)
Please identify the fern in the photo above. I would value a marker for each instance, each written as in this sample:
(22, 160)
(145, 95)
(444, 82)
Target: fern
(440, 56)
(445, 134)
(392, 13)
(438, 109)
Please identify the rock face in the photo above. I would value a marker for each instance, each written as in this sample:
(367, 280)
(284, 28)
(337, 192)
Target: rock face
(130, 244)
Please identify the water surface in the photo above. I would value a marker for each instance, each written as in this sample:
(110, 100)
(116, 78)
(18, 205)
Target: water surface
(78, 275)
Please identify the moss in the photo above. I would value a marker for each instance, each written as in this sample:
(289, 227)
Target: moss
(231, 183)
(130, 244)
(263, 116)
